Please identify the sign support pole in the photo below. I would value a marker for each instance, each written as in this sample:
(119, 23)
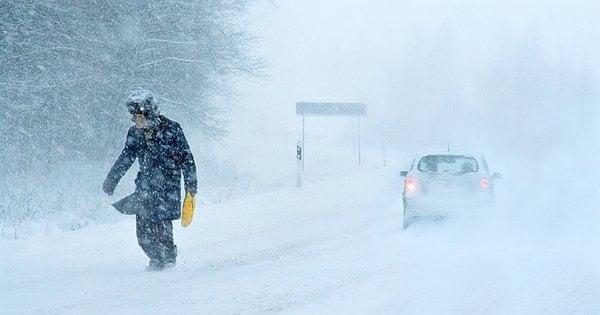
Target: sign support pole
(384, 159)
(359, 152)
(303, 134)
(299, 159)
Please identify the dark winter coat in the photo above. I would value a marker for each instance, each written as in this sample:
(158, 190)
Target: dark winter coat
(162, 158)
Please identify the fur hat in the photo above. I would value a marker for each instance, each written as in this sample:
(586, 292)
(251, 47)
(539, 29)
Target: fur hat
(142, 102)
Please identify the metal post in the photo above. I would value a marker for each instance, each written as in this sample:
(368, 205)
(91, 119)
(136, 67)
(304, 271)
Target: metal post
(303, 133)
(359, 152)
(384, 161)
(299, 160)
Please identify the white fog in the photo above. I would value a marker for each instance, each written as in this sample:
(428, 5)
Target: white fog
(470, 185)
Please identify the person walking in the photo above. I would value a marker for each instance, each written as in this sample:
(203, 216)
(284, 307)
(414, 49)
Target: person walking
(163, 154)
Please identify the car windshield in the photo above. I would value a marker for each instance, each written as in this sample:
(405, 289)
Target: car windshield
(454, 164)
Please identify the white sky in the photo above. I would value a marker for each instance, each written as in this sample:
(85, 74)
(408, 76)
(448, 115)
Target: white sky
(372, 51)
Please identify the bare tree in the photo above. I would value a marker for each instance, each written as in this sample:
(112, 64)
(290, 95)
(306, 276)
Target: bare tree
(66, 66)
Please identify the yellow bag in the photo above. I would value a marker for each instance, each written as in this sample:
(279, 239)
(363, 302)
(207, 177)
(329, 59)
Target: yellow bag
(187, 213)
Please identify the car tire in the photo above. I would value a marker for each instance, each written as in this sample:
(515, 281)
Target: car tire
(406, 220)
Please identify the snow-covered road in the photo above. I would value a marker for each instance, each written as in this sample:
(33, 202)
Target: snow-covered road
(336, 246)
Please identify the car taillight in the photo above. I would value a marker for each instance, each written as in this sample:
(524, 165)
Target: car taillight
(484, 183)
(410, 184)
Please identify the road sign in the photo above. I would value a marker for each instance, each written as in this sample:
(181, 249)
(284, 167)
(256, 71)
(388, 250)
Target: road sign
(330, 109)
(299, 151)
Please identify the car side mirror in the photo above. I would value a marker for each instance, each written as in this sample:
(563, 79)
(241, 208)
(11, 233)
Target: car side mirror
(496, 175)
(403, 173)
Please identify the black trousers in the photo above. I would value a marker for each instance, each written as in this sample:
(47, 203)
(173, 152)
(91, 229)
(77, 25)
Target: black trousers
(156, 239)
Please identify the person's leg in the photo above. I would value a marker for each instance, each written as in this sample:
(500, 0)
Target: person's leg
(148, 234)
(167, 245)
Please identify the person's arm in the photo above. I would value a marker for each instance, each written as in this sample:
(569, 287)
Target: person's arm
(122, 164)
(188, 166)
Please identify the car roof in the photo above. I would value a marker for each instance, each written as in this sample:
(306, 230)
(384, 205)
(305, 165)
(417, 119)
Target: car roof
(461, 153)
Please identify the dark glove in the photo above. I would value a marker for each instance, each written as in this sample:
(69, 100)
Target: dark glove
(108, 187)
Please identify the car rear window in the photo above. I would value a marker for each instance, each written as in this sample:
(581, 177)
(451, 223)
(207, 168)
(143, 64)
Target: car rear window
(454, 164)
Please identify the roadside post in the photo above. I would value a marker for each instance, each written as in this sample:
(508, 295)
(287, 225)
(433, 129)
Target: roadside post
(299, 164)
(384, 158)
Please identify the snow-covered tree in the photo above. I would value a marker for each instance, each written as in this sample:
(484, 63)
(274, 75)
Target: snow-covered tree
(66, 68)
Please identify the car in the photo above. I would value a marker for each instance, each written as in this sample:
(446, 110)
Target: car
(442, 184)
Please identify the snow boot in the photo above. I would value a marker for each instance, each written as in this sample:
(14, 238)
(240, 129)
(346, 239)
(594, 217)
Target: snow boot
(169, 265)
(155, 265)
